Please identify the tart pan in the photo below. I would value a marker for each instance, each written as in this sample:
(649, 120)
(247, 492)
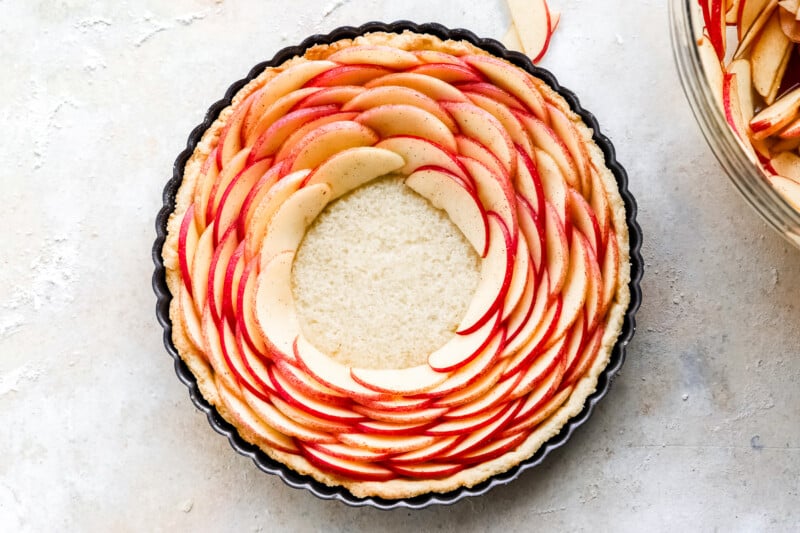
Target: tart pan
(320, 490)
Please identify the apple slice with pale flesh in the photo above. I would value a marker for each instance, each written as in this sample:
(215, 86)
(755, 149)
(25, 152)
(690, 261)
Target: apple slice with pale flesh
(513, 80)
(554, 185)
(293, 140)
(715, 14)
(288, 225)
(245, 418)
(350, 453)
(304, 418)
(534, 16)
(284, 83)
(230, 138)
(329, 372)
(328, 140)
(505, 117)
(354, 167)
(418, 152)
(275, 312)
(461, 426)
(337, 95)
(579, 368)
(394, 95)
(566, 130)
(206, 180)
(448, 192)
(496, 193)
(789, 188)
(358, 470)
(748, 12)
(308, 385)
(277, 420)
(497, 395)
(266, 208)
(311, 404)
(791, 132)
(230, 285)
(226, 175)
(386, 443)
(431, 87)
(769, 57)
(532, 228)
(532, 353)
(253, 199)
(200, 268)
(536, 336)
(557, 249)
(469, 147)
(245, 312)
(191, 322)
(255, 364)
(731, 103)
(269, 142)
(528, 182)
(421, 415)
(538, 407)
(379, 427)
(465, 347)
(188, 237)
(582, 218)
(483, 127)
(712, 68)
(255, 126)
(524, 311)
(400, 381)
(235, 362)
(777, 116)
(448, 72)
(422, 455)
(475, 390)
(577, 284)
(348, 75)
(755, 14)
(212, 347)
(610, 272)
(230, 203)
(492, 92)
(520, 278)
(481, 436)
(395, 404)
(492, 450)
(787, 165)
(548, 141)
(495, 277)
(433, 470)
(400, 119)
(384, 56)
(550, 364)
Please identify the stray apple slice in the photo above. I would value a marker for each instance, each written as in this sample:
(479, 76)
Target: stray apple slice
(534, 17)
(511, 39)
(354, 167)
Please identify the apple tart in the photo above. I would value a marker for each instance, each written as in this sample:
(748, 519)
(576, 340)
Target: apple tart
(533, 280)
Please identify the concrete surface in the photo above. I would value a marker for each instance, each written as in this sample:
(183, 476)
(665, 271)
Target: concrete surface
(700, 431)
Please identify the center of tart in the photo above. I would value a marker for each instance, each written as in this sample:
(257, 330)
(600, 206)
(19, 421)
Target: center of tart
(383, 278)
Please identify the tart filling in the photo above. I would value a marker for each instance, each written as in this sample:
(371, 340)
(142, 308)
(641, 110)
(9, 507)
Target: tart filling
(516, 172)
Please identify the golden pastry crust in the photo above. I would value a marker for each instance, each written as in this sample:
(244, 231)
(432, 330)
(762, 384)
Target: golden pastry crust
(401, 487)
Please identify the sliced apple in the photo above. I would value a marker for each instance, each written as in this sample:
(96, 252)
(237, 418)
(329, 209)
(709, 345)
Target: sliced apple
(787, 165)
(379, 427)
(231, 137)
(418, 152)
(293, 140)
(188, 237)
(448, 72)
(477, 389)
(427, 453)
(789, 188)
(275, 312)
(337, 95)
(549, 365)
(545, 139)
(421, 415)
(557, 249)
(498, 394)
(386, 443)
(712, 68)
(310, 404)
(256, 125)
(401, 381)
(328, 140)
(348, 75)
(535, 18)
(226, 175)
(432, 87)
(538, 407)
(200, 268)
(308, 385)
(469, 147)
(230, 203)
(577, 285)
(343, 451)
(399, 119)
(463, 426)
(483, 127)
(385, 56)
(492, 450)
(395, 95)
(267, 206)
(496, 193)
(269, 142)
(485, 434)
(359, 470)
(513, 80)
(769, 58)
(506, 118)
(777, 116)
(191, 321)
(432, 470)
(353, 167)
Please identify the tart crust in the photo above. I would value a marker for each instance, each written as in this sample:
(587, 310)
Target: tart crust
(401, 487)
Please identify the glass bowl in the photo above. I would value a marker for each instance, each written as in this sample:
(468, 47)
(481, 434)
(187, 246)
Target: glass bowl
(686, 26)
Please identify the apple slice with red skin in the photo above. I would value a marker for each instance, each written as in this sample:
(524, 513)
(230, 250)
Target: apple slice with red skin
(536, 357)
(520, 277)
(532, 228)
(524, 310)
(582, 218)
(348, 75)
(427, 470)
(349, 453)
(230, 286)
(550, 364)
(495, 278)
(714, 14)
(255, 126)
(464, 347)
(543, 403)
(212, 347)
(188, 237)
(534, 16)
(537, 321)
(554, 186)
(231, 138)
(431, 87)
(394, 95)
(226, 175)
(600, 206)
(401, 119)
(747, 13)
(311, 405)
(206, 179)
(496, 193)
(384, 56)
(425, 454)
(288, 225)
(331, 373)
(255, 364)
(506, 118)
(731, 104)
(357, 470)
(568, 133)
(496, 396)
(422, 415)
(337, 95)
(296, 136)
(777, 116)
(529, 345)
(513, 80)
(269, 142)
(245, 311)
(609, 273)
(787, 165)
(789, 188)
(475, 390)
(230, 203)
(418, 152)
(493, 92)
(594, 291)
(253, 198)
(398, 381)
(485, 434)
(352, 168)
(792, 131)
(577, 285)
(447, 191)
(378, 427)
(712, 68)
(769, 57)
(282, 84)
(245, 418)
(469, 147)
(484, 128)
(216, 271)
(492, 450)
(275, 312)
(279, 421)
(309, 386)
(462, 426)
(435, 56)
(266, 203)
(754, 16)
(528, 182)
(235, 362)
(537, 397)
(386, 443)
(394, 404)
(544, 138)
(328, 140)
(744, 83)
(556, 249)
(578, 367)
(190, 320)
(448, 72)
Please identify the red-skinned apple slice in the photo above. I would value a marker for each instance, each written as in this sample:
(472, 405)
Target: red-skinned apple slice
(462, 426)
(748, 12)
(536, 336)
(354, 167)
(216, 271)
(331, 373)
(328, 140)
(288, 225)
(547, 140)
(528, 183)
(418, 152)
(753, 18)
(578, 368)
(245, 311)
(769, 57)
(744, 81)
(435, 56)
(464, 347)
(427, 470)
(520, 277)
(267, 206)
(254, 364)
(539, 406)
(226, 175)
(206, 179)
(475, 390)
(212, 347)
(352, 469)
(279, 421)
(534, 16)
(532, 228)
(448, 72)
(554, 185)
(513, 80)
(714, 13)
(394, 95)
(231, 136)
(253, 199)
(495, 277)
(777, 116)
(432, 87)
(255, 126)
(447, 191)
(492, 450)
(297, 136)
(230, 203)
(400, 119)
(524, 310)
(311, 405)
(424, 454)
(275, 312)
(188, 238)
(269, 142)
(191, 322)
(394, 404)
(557, 249)
(732, 107)
(787, 165)
(791, 132)
(577, 284)
(422, 415)
(610, 272)
(496, 193)
(247, 419)
(349, 453)
(566, 130)
(384, 56)
(390, 428)
(308, 385)
(485, 434)
(583, 219)
(789, 188)
(495, 396)
(284, 83)
(230, 287)
(235, 362)
(712, 68)
(386, 443)
(469, 147)
(506, 118)
(348, 75)
(483, 127)
(398, 381)
(337, 95)
(493, 92)
(550, 364)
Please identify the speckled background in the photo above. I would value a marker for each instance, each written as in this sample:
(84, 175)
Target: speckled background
(701, 431)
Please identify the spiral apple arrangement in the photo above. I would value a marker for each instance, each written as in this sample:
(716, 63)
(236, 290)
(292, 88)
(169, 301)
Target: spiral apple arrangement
(518, 175)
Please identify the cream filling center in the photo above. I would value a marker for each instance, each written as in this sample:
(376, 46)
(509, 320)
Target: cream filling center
(382, 278)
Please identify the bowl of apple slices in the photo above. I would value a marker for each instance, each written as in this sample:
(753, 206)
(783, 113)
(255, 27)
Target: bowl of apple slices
(739, 63)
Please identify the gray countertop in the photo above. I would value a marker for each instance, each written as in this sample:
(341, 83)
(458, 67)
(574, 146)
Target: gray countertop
(700, 431)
